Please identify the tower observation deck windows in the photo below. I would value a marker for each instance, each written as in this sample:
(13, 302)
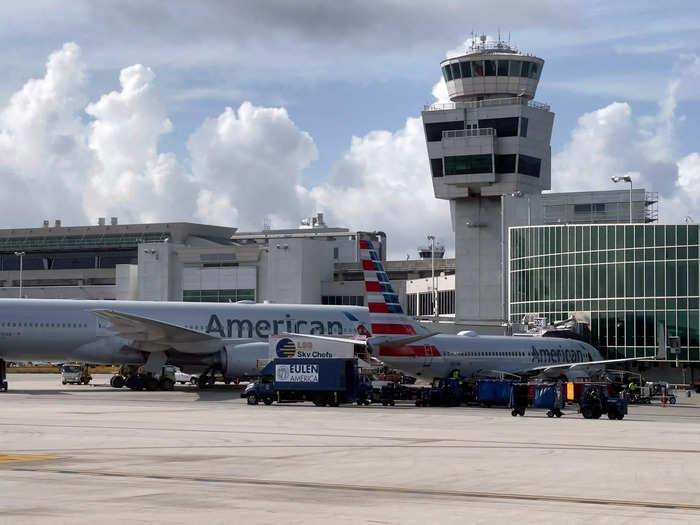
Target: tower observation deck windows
(505, 163)
(515, 68)
(529, 165)
(490, 67)
(447, 73)
(477, 68)
(468, 164)
(433, 132)
(436, 167)
(455, 71)
(466, 69)
(525, 71)
(503, 68)
(505, 127)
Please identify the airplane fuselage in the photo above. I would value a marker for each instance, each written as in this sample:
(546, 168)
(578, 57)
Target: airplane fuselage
(59, 330)
(440, 355)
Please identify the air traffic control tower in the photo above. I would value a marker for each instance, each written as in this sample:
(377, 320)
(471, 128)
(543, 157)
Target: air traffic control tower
(490, 157)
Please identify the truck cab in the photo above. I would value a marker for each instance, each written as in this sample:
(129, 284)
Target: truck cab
(75, 374)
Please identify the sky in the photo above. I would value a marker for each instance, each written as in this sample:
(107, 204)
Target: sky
(238, 113)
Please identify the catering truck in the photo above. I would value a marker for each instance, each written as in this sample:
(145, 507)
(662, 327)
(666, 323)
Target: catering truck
(325, 382)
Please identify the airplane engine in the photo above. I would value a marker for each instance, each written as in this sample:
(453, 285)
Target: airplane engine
(244, 359)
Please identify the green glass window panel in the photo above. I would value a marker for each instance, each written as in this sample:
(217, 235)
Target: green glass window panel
(681, 234)
(611, 304)
(648, 304)
(594, 257)
(602, 236)
(682, 253)
(638, 255)
(693, 328)
(571, 290)
(629, 236)
(619, 280)
(629, 255)
(694, 354)
(682, 303)
(611, 237)
(692, 252)
(594, 237)
(693, 303)
(682, 278)
(659, 236)
(671, 252)
(572, 238)
(649, 254)
(602, 276)
(603, 257)
(639, 236)
(586, 233)
(660, 254)
(649, 328)
(639, 279)
(579, 258)
(586, 258)
(682, 326)
(620, 304)
(629, 280)
(639, 304)
(670, 304)
(558, 260)
(579, 238)
(468, 164)
(670, 235)
(692, 234)
(692, 278)
(671, 278)
(660, 304)
(660, 279)
(629, 304)
(619, 237)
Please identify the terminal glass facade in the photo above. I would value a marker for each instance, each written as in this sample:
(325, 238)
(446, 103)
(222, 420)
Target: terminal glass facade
(632, 278)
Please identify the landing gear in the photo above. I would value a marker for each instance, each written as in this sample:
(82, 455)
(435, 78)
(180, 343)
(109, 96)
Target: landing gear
(205, 380)
(3, 376)
(117, 381)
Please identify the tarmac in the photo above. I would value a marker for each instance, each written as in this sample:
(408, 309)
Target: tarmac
(92, 454)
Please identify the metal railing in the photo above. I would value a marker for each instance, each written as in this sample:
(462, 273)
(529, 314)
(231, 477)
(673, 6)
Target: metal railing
(461, 133)
(486, 103)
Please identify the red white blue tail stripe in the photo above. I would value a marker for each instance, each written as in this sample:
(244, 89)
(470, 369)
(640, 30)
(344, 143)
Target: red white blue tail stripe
(385, 313)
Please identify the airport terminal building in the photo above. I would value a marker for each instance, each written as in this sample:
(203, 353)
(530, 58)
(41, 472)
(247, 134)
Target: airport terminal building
(627, 280)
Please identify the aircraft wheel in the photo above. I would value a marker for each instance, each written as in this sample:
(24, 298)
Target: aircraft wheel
(117, 381)
(252, 399)
(267, 400)
(672, 400)
(514, 413)
(587, 413)
(550, 413)
(557, 413)
(63, 382)
(620, 417)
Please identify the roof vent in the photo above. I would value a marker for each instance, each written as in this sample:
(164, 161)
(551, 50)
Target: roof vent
(101, 221)
(46, 223)
(57, 224)
(113, 221)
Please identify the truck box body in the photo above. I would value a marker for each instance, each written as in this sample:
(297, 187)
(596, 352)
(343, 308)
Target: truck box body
(337, 375)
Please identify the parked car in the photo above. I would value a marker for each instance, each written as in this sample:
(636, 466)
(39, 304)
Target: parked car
(179, 376)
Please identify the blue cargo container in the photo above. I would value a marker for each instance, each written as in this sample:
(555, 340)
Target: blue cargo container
(493, 391)
(323, 381)
(550, 397)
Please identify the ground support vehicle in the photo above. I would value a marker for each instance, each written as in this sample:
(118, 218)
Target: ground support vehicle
(493, 391)
(662, 392)
(549, 396)
(3, 376)
(75, 374)
(595, 402)
(574, 389)
(519, 399)
(385, 394)
(638, 396)
(325, 382)
(179, 376)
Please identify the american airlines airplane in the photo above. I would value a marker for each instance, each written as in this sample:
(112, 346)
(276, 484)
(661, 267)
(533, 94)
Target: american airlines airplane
(401, 342)
(229, 337)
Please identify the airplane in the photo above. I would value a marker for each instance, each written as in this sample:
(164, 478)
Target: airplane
(226, 337)
(402, 343)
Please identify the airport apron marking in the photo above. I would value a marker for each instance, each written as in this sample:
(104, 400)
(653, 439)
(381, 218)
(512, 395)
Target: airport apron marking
(18, 458)
(366, 488)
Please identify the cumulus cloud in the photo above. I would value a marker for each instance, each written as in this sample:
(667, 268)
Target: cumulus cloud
(383, 182)
(247, 155)
(613, 141)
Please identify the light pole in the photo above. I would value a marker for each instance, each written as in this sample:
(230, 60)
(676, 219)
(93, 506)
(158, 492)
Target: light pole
(431, 238)
(625, 178)
(20, 255)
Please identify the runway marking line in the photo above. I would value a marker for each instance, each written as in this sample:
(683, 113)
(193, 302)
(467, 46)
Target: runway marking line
(20, 458)
(367, 488)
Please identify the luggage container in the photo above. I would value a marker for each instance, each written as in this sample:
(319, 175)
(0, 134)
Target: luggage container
(493, 391)
(550, 396)
(519, 398)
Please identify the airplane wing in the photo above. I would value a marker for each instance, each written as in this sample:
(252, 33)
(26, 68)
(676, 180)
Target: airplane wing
(347, 340)
(583, 364)
(151, 335)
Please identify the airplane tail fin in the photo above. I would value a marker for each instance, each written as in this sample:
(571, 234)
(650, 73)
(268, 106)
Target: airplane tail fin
(387, 318)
